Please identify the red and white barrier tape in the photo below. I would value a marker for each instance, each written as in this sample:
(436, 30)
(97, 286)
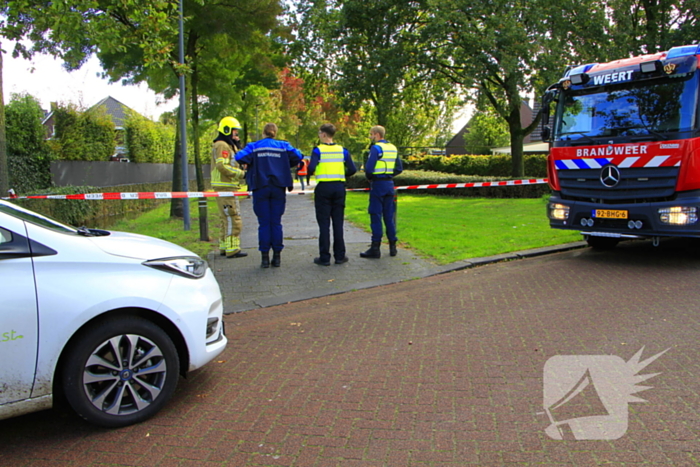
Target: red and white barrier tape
(140, 195)
(228, 194)
(532, 181)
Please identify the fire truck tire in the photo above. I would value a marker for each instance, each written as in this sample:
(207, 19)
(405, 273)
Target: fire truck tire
(602, 243)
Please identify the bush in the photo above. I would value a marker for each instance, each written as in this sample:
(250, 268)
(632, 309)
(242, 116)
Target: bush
(486, 166)
(83, 136)
(93, 213)
(149, 141)
(420, 177)
(28, 156)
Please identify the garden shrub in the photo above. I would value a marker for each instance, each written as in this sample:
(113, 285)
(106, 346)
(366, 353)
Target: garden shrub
(420, 177)
(499, 165)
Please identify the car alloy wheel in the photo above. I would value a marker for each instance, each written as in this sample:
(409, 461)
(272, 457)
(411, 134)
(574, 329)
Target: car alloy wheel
(122, 371)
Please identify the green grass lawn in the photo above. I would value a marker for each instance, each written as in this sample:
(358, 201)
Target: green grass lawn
(443, 229)
(449, 229)
(157, 223)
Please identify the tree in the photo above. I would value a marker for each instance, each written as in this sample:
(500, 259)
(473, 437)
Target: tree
(72, 31)
(228, 43)
(486, 130)
(28, 155)
(135, 41)
(648, 26)
(509, 48)
(367, 51)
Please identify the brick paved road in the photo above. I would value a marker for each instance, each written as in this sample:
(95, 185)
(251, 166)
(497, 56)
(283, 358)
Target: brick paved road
(446, 370)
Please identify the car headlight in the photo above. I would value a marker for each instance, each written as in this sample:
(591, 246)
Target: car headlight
(187, 266)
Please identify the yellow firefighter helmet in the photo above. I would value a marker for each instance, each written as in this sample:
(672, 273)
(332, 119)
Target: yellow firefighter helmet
(227, 124)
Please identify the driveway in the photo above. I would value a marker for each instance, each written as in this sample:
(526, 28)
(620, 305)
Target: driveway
(447, 370)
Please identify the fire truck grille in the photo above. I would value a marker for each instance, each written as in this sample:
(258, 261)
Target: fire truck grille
(636, 185)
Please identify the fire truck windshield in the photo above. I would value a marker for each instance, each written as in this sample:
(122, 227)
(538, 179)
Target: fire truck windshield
(651, 108)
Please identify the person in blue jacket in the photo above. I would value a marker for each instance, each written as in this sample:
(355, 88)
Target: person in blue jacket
(269, 175)
(382, 166)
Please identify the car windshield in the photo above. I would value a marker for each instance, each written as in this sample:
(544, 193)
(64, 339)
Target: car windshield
(630, 109)
(34, 218)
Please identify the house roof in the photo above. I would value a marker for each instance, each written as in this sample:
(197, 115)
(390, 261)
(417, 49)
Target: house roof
(114, 109)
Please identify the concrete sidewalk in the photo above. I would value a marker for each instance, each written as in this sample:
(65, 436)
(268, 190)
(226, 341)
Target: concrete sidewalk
(246, 286)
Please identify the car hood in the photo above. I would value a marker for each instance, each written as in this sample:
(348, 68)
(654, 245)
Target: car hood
(137, 246)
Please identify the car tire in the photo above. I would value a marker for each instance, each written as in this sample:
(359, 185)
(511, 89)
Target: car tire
(602, 243)
(114, 392)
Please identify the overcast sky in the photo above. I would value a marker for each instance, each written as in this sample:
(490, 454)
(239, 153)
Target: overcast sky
(44, 78)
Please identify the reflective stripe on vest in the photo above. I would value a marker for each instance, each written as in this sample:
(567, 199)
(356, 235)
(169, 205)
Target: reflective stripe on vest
(331, 165)
(385, 165)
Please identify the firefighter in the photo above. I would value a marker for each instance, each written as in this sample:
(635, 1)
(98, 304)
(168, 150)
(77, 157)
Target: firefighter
(330, 163)
(226, 175)
(269, 162)
(382, 166)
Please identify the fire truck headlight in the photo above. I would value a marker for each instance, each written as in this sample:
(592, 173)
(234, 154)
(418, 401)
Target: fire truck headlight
(558, 211)
(679, 215)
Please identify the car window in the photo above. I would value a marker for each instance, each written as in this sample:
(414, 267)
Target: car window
(34, 218)
(5, 236)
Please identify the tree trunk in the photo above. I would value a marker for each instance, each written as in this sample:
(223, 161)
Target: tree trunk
(176, 209)
(203, 226)
(516, 142)
(516, 153)
(4, 175)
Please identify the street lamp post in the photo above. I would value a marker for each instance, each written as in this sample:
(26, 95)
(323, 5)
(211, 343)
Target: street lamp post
(183, 128)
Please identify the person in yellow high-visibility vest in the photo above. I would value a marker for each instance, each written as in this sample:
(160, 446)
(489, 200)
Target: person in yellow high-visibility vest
(226, 175)
(383, 164)
(330, 164)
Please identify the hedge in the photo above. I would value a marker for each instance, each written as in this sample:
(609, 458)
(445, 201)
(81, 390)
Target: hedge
(94, 213)
(486, 166)
(421, 177)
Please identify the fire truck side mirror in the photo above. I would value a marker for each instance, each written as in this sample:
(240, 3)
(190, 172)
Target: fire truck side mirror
(546, 133)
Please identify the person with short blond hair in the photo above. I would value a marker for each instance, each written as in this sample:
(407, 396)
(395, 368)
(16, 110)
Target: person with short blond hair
(269, 176)
(382, 166)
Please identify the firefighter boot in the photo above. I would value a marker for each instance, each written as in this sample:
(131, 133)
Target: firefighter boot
(373, 252)
(265, 259)
(392, 248)
(276, 259)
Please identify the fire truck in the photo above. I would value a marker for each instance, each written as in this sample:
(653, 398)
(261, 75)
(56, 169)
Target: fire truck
(624, 158)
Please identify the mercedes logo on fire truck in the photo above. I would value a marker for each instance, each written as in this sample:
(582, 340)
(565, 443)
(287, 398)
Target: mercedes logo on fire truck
(610, 176)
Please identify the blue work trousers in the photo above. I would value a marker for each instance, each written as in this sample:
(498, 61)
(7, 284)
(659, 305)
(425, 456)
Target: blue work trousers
(329, 201)
(268, 204)
(381, 207)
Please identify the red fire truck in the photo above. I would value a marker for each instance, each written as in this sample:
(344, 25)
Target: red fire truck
(624, 159)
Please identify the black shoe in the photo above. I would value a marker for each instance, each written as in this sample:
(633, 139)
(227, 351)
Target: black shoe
(265, 260)
(222, 252)
(342, 261)
(373, 252)
(321, 263)
(392, 248)
(276, 259)
(240, 254)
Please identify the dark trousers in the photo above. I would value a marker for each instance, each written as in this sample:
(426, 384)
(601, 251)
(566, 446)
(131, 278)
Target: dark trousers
(268, 204)
(381, 207)
(329, 200)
